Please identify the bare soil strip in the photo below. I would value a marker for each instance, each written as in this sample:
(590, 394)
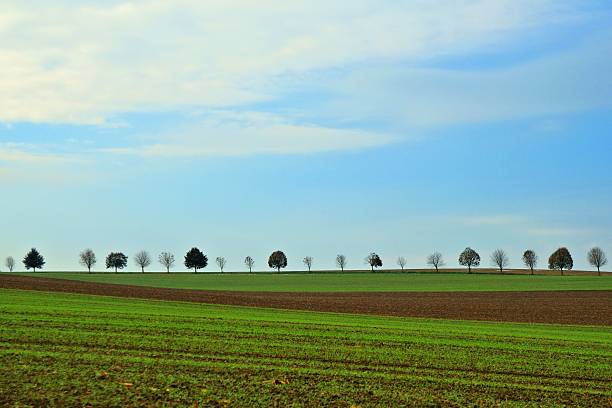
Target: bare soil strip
(559, 307)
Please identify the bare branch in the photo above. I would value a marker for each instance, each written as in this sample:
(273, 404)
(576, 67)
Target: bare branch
(435, 260)
(167, 260)
(500, 259)
(142, 259)
(249, 262)
(308, 262)
(221, 262)
(87, 258)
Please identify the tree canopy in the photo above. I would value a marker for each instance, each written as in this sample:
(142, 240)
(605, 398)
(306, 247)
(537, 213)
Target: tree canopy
(277, 260)
(195, 259)
(374, 261)
(561, 259)
(33, 260)
(117, 260)
(469, 258)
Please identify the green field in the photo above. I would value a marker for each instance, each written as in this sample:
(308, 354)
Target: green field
(77, 350)
(348, 282)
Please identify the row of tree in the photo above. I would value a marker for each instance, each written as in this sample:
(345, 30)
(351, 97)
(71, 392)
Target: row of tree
(195, 259)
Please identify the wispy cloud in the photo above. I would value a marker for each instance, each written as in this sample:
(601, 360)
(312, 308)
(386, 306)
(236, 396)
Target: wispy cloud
(238, 134)
(88, 61)
(21, 153)
(567, 81)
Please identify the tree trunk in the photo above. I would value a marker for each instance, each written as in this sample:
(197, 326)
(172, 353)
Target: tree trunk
(34, 269)
(561, 271)
(195, 270)
(250, 270)
(168, 269)
(532, 270)
(372, 266)
(469, 268)
(278, 269)
(142, 269)
(115, 269)
(598, 271)
(436, 268)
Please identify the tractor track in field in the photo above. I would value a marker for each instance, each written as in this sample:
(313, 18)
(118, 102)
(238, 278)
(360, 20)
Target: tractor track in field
(558, 307)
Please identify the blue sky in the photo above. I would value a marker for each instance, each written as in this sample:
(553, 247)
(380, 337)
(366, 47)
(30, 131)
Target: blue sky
(315, 128)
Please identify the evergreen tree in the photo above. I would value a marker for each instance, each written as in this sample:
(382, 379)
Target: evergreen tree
(33, 260)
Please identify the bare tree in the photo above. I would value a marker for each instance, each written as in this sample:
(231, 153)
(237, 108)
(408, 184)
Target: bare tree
(221, 262)
(87, 258)
(597, 258)
(500, 259)
(530, 259)
(341, 261)
(401, 261)
(249, 262)
(435, 260)
(10, 263)
(308, 262)
(167, 260)
(142, 259)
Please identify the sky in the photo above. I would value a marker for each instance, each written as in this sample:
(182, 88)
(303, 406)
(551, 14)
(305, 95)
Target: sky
(318, 128)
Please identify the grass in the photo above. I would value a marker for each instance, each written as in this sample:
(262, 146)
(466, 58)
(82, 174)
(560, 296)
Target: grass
(68, 350)
(330, 282)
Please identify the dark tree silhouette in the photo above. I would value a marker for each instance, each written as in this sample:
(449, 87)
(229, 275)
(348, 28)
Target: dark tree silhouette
(195, 259)
(435, 260)
(249, 262)
(277, 260)
(10, 263)
(561, 259)
(87, 258)
(221, 262)
(374, 261)
(597, 258)
(500, 259)
(341, 261)
(142, 259)
(401, 261)
(530, 259)
(469, 258)
(116, 260)
(308, 262)
(167, 260)
(33, 260)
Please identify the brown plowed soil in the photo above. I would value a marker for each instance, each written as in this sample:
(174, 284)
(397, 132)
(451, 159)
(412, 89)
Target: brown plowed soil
(563, 307)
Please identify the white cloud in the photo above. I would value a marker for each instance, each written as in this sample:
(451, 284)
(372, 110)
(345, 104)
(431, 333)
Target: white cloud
(238, 134)
(83, 62)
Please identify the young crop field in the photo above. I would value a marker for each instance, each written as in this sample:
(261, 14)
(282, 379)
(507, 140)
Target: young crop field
(347, 282)
(78, 350)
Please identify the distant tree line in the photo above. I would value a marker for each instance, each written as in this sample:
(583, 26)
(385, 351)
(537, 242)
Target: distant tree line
(195, 259)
